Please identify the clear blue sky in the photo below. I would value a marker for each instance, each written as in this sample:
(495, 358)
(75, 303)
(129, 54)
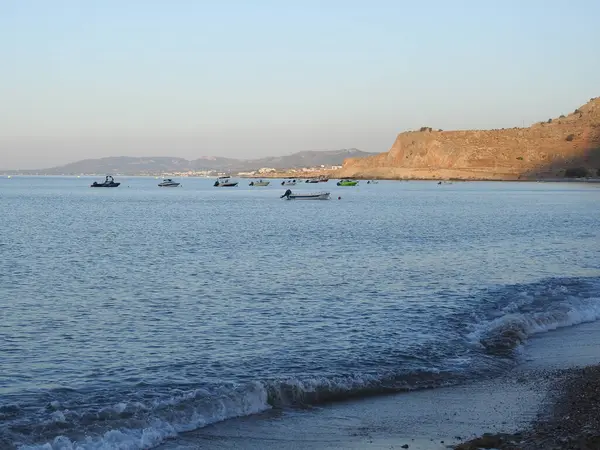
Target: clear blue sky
(81, 79)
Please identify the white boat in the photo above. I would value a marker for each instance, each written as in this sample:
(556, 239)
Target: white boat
(289, 195)
(167, 182)
(288, 183)
(259, 183)
(225, 182)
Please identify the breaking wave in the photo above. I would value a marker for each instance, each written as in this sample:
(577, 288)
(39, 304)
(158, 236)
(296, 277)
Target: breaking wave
(138, 425)
(538, 309)
(492, 330)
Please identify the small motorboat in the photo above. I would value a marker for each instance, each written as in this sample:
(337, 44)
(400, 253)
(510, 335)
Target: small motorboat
(323, 179)
(259, 183)
(167, 182)
(288, 183)
(372, 182)
(289, 195)
(347, 183)
(312, 180)
(108, 182)
(225, 182)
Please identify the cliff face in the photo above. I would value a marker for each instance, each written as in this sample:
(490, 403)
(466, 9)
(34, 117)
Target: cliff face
(543, 150)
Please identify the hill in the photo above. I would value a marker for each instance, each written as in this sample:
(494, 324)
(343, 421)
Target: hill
(307, 159)
(563, 146)
(126, 165)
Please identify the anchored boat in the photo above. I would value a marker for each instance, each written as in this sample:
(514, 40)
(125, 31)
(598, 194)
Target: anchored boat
(108, 182)
(259, 183)
(288, 183)
(347, 183)
(167, 182)
(225, 182)
(320, 179)
(289, 195)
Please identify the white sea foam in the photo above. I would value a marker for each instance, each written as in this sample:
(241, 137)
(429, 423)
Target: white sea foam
(180, 417)
(528, 311)
(535, 312)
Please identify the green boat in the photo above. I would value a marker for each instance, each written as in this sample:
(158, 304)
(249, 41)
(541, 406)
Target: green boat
(347, 183)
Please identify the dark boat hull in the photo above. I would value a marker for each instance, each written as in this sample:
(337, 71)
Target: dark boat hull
(105, 185)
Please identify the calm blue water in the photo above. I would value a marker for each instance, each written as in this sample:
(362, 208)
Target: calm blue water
(133, 314)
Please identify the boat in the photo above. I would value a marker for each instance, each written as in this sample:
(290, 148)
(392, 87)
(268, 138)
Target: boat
(259, 183)
(347, 183)
(319, 179)
(372, 182)
(167, 182)
(289, 195)
(288, 183)
(108, 182)
(225, 182)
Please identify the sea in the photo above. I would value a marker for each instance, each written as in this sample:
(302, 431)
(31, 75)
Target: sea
(135, 315)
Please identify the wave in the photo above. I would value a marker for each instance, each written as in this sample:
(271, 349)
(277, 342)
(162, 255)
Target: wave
(136, 426)
(506, 318)
(538, 309)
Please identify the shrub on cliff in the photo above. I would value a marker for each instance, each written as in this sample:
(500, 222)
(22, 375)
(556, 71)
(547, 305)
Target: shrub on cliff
(576, 172)
(520, 158)
(570, 137)
(562, 116)
(549, 120)
(576, 111)
(425, 129)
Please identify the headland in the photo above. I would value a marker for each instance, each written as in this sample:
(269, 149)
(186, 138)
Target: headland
(567, 146)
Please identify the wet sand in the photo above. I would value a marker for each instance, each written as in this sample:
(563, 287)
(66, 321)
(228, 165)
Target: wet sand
(573, 421)
(430, 419)
(424, 420)
(571, 418)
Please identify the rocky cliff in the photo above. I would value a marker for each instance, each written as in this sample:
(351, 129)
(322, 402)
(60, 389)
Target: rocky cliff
(553, 148)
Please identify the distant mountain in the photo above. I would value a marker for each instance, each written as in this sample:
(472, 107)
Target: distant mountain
(126, 165)
(307, 159)
(118, 164)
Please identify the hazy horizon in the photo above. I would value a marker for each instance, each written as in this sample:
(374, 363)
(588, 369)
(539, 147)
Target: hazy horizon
(246, 81)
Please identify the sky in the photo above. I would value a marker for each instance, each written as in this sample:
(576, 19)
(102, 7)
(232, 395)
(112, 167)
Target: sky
(185, 78)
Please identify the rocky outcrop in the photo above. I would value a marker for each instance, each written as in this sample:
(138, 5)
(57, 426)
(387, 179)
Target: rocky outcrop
(544, 150)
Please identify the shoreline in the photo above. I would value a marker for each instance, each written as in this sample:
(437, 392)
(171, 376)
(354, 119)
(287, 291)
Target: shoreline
(333, 177)
(569, 418)
(572, 420)
(443, 180)
(519, 409)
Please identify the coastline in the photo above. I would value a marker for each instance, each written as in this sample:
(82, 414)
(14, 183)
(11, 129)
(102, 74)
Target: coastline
(455, 179)
(556, 385)
(572, 421)
(570, 415)
(336, 175)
